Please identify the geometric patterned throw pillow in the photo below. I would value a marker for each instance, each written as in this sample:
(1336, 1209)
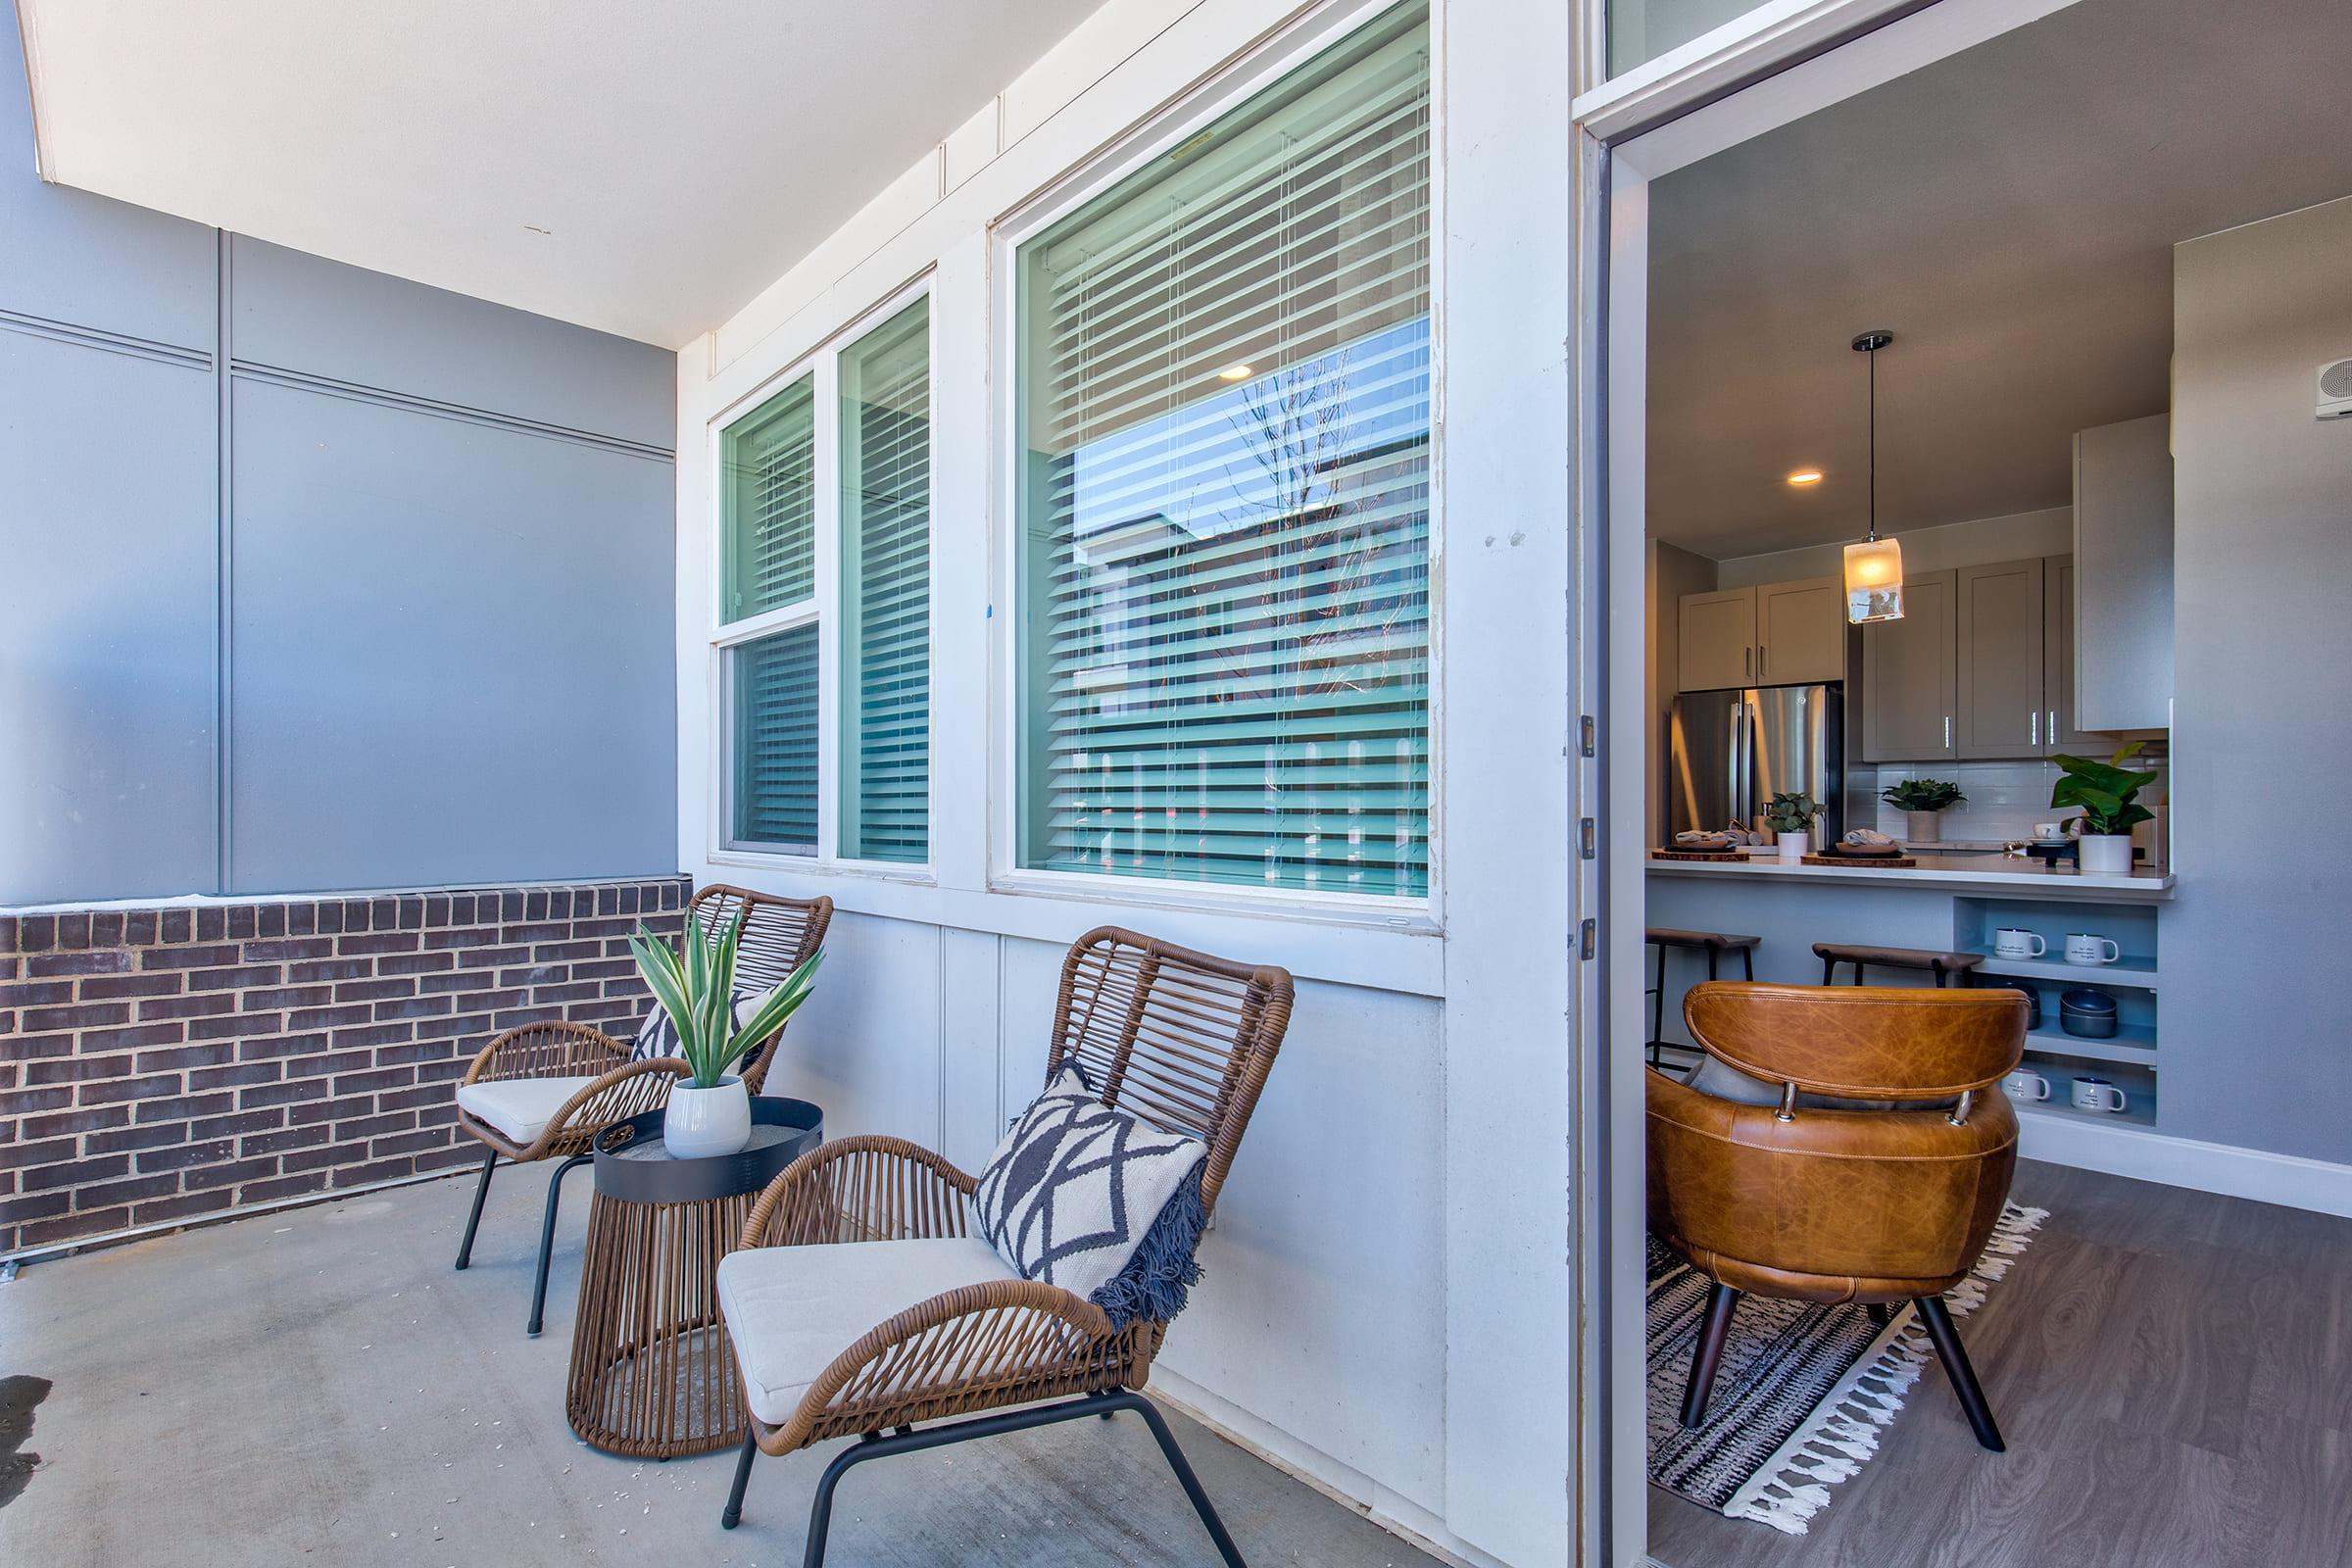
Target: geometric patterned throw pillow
(1076, 1188)
(658, 1036)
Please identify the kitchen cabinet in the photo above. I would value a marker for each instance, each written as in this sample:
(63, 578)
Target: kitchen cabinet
(1801, 631)
(2123, 679)
(2059, 733)
(1998, 658)
(1718, 640)
(1774, 634)
(1910, 674)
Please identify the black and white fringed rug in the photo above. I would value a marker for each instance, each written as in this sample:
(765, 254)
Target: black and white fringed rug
(1802, 1390)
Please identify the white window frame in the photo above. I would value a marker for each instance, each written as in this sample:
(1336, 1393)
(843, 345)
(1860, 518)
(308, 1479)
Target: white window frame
(822, 609)
(1232, 86)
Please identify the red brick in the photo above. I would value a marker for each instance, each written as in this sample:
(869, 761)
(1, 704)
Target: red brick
(282, 1187)
(66, 1229)
(185, 1108)
(415, 1050)
(442, 1071)
(205, 957)
(22, 1101)
(75, 1172)
(375, 990)
(378, 941)
(281, 1140)
(210, 1152)
(415, 962)
(183, 1056)
(521, 1015)
(237, 1027)
(74, 1069)
(409, 1142)
(329, 1017)
(112, 1090)
(134, 1037)
(101, 986)
(287, 948)
(230, 1175)
(23, 1048)
(277, 999)
(276, 1048)
(328, 969)
(43, 965)
(32, 1154)
(374, 1126)
(77, 1015)
(467, 937)
(238, 1077)
(462, 1152)
(34, 1205)
(461, 1025)
(42, 993)
(263, 1119)
(118, 1139)
(203, 1004)
(59, 1123)
(282, 1093)
(563, 952)
(136, 1189)
(412, 1008)
(237, 979)
(183, 1206)
(381, 1171)
(369, 1039)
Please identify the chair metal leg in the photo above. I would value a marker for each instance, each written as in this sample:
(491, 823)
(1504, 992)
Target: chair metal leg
(1949, 1350)
(474, 1219)
(874, 1445)
(733, 1515)
(547, 1239)
(1658, 1010)
(1880, 1314)
(1747, 962)
(1721, 1302)
(1828, 971)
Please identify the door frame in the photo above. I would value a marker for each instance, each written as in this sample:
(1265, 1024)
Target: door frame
(1624, 143)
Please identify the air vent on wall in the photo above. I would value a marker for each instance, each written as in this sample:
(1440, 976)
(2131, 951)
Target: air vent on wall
(2335, 391)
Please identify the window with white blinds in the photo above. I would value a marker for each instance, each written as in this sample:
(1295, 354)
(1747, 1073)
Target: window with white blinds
(1225, 502)
(824, 623)
(768, 464)
(886, 591)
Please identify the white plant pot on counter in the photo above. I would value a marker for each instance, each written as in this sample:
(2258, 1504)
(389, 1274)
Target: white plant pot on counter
(1794, 847)
(2106, 853)
(1923, 827)
(703, 1122)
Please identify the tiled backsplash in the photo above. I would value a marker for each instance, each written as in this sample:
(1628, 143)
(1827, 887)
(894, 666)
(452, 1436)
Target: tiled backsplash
(2004, 799)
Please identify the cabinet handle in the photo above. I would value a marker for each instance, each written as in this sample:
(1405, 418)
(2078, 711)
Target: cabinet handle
(1948, 732)
(1763, 661)
(2053, 726)
(2033, 728)
(1747, 663)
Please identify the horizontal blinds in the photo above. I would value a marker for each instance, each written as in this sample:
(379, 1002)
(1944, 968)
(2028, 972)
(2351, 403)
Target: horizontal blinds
(1226, 384)
(769, 462)
(776, 688)
(886, 529)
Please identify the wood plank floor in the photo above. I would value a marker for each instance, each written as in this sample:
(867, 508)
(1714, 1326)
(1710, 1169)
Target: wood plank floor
(2173, 1373)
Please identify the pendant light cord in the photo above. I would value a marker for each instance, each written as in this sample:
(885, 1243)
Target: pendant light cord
(1873, 357)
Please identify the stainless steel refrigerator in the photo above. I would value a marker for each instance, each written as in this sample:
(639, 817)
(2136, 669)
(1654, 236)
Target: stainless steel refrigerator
(1728, 753)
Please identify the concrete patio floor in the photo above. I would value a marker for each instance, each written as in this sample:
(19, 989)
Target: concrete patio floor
(318, 1385)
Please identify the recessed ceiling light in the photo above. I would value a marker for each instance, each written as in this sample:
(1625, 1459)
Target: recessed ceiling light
(1804, 476)
(1236, 372)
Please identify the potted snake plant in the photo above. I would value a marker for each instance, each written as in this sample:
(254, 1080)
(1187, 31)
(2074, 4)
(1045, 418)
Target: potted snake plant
(711, 1113)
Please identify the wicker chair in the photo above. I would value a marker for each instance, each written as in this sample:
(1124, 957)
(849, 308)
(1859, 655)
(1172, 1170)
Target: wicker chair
(1178, 1038)
(548, 1089)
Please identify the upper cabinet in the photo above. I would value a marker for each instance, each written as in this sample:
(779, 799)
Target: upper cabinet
(1777, 634)
(2000, 660)
(1801, 632)
(2123, 595)
(1718, 640)
(1910, 674)
(2060, 728)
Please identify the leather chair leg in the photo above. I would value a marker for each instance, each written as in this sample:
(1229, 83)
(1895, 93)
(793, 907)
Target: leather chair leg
(1721, 1302)
(1949, 1350)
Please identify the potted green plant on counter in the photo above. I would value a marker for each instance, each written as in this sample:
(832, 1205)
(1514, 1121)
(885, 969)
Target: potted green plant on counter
(1791, 816)
(1923, 802)
(2106, 792)
(710, 1113)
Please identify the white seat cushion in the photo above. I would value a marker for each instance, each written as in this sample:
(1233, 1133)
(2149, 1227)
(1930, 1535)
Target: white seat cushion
(792, 1309)
(518, 1108)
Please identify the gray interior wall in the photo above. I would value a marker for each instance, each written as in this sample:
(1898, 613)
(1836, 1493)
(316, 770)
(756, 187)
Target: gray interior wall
(2253, 1032)
(378, 593)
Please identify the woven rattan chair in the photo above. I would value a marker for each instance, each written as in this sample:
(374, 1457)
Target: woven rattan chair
(1178, 1038)
(567, 1082)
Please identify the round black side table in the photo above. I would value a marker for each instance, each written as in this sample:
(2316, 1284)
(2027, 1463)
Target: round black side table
(652, 1372)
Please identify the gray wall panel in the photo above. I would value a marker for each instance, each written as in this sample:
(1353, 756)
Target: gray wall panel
(303, 312)
(68, 255)
(106, 623)
(451, 656)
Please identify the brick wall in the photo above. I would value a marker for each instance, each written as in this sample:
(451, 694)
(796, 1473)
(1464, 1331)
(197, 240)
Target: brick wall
(160, 1065)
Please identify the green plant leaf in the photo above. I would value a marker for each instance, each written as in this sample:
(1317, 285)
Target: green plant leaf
(665, 976)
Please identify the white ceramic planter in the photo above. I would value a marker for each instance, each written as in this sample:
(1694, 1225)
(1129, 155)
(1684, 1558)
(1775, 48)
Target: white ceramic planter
(1923, 827)
(2106, 853)
(703, 1122)
(1794, 847)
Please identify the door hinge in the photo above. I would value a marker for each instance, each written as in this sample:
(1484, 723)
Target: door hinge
(1586, 840)
(1586, 737)
(1587, 940)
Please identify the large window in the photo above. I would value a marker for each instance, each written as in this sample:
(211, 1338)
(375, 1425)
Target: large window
(1224, 380)
(818, 576)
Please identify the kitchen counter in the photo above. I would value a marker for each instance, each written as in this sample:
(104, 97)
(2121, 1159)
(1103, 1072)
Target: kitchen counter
(1994, 875)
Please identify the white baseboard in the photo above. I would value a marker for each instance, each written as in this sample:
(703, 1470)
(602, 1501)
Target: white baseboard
(1341, 1483)
(2289, 1180)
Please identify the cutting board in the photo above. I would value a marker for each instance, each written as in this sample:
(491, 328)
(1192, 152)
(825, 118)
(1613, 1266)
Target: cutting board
(1897, 861)
(1696, 855)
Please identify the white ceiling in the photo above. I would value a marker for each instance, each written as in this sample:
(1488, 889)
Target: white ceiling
(645, 169)
(2009, 216)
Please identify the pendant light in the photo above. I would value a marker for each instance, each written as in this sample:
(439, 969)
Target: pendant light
(1874, 568)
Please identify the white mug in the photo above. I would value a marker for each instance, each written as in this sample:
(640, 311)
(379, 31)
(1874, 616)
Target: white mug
(2026, 1084)
(2083, 948)
(2097, 1094)
(2011, 943)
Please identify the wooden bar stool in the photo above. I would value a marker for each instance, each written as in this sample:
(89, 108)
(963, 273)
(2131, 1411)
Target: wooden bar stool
(1712, 943)
(1941, 964)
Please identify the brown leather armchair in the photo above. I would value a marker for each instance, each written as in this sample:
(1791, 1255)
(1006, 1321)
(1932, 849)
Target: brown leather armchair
(1805, 1199)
